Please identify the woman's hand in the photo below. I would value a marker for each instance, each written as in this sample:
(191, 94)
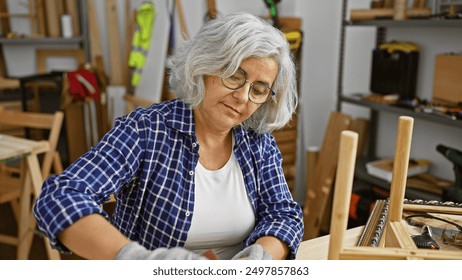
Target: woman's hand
(253, 252)
(134, 251)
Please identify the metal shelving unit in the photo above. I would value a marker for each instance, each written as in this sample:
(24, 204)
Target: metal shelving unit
(411, 23)
(376, 108)
(41, 41)
(440, 119)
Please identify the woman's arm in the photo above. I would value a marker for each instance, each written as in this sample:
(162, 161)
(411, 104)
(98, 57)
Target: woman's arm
(93, 237)
(274, 246)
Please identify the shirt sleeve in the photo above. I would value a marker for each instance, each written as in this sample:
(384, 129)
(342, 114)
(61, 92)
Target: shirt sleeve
(278, 214)
(88, 182)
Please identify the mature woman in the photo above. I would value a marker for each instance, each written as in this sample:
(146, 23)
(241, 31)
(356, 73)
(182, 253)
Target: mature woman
(198, 173)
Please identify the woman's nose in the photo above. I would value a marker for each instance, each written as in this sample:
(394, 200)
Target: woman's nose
(242, 93)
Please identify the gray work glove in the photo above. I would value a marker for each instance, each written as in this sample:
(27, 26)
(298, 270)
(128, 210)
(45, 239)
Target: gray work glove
(134, 251)
(253, 252)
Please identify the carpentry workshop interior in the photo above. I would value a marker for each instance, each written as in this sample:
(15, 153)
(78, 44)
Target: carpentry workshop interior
(373, 154)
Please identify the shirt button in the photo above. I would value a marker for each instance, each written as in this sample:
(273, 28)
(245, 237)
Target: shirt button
(191, 173)
(188, 213)
(194, 144)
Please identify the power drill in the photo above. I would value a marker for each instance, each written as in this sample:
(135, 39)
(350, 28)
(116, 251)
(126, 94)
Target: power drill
(454, 193)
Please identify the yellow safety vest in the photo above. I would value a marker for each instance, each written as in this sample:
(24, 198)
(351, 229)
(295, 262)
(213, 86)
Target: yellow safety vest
(141, 40)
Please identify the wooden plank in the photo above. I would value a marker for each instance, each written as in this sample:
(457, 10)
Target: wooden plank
(22, 251)
(397, 236)
(32, 16)
(3, 69)
(369, 253)
(432, 209)
(288, 148)
(343, 187)
(211, 9)
(52, 18)
(289, 159)
(40, 11)
(317, 197)
(129, 30)
(361, 126)
(29, 119)
(312, 156)
(290, 23)
(4, 21)
(400, 166)
(115, 52)
(71, 8)
(184, 27)
(8, 84)
(286, 135)
(96, 48)
(318, 248)
(75, 138)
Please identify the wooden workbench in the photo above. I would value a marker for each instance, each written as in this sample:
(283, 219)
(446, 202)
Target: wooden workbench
(317, 248)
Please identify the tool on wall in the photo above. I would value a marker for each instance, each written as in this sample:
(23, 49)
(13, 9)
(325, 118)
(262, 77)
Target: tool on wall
(273, 9)
(455, 157)
(211, 10)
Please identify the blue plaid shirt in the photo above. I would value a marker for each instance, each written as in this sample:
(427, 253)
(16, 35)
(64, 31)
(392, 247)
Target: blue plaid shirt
(148, 160)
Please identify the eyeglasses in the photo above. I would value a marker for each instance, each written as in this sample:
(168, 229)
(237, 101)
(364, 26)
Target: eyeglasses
(258, 92)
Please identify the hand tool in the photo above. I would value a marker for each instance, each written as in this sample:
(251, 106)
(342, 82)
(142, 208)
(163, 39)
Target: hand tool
(455, 157)
(272, 6)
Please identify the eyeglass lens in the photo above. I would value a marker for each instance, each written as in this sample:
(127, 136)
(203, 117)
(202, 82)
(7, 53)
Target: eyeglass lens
(258, 92)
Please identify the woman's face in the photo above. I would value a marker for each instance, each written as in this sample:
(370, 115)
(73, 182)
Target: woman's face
(225, 108)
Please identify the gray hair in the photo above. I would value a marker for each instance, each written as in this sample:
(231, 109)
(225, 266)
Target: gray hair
(219, 49)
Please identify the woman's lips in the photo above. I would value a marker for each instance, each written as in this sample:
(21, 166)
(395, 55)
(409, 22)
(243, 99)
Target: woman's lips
(232, 108)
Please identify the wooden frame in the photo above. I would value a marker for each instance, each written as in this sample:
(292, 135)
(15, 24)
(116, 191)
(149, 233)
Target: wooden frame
(43, 54)
(398, 244)
(375, 226)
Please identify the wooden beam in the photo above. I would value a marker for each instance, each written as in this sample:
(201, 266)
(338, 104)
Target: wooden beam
(371, 253)
(184, 28)
(40, 11)
(72, 9)
(400, 166)
(52, 18)
(343, 188)
(4, 21)
(95, 38)
(115, 52)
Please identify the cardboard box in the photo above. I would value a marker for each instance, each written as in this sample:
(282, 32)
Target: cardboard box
(447, 83)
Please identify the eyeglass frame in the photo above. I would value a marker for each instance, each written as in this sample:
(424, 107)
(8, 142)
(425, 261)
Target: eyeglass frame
(271, 95)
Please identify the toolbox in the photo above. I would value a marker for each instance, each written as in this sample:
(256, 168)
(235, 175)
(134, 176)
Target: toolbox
(394, 69)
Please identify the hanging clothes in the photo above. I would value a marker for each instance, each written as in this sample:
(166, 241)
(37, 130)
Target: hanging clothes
(141, 40)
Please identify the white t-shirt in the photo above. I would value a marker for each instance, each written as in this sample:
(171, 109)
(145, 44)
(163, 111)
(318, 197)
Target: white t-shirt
(223, 216)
